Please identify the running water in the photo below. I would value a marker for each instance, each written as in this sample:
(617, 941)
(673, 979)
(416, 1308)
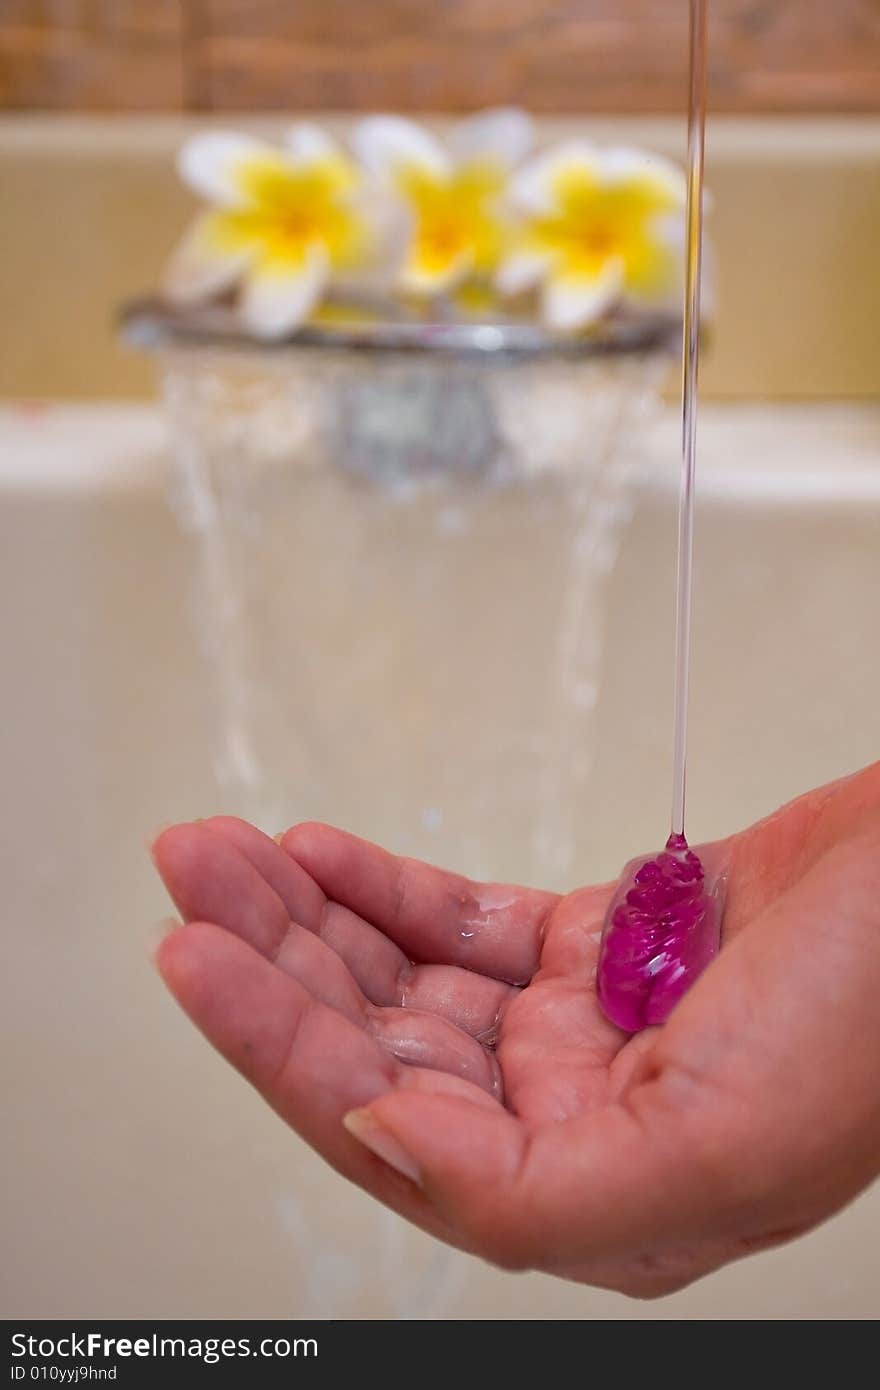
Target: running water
(662, 925)
(378, 653)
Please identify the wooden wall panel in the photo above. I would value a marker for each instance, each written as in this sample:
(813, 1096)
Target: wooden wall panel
(444, 55)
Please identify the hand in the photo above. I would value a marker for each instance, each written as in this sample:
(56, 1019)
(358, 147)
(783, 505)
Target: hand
(440, 1043)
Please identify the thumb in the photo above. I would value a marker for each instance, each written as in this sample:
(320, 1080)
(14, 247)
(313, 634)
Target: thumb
(464, 1155)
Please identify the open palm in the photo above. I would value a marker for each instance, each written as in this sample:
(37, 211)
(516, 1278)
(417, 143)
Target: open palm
(440, 1043)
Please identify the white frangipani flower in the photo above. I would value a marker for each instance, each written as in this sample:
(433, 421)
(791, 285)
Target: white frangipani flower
(453, 191)
(595, 228)
(284, 223)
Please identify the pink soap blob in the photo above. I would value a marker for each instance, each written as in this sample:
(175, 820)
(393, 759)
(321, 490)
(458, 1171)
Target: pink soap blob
(661, 930)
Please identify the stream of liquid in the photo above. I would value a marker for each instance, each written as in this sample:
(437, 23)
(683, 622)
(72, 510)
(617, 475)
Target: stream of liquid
(690, 378)
(662, 926)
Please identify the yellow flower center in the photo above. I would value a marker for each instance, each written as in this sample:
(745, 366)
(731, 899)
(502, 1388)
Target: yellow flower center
(290, 209)
(456, 217)
(594, 223)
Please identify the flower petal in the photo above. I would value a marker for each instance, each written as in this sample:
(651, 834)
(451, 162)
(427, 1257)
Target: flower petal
(210, 164)
(207, 261)
(311, 150)
(389, 145)
(386, 227)
(310, 144)
(533, 190)
(503, 135)
(572, 301)
(522, 270)
(622, 165)
(655, 264)
(427, 275)
(280, 294)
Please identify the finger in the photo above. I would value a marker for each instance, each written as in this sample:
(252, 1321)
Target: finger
(383, 972)
(474, 1003)
(466, 1159)
(305, 1058)
(434, 916)
(312, 1065)
(415, 1038)
(456, 1152)
(569, 1196)
(225, 871)
(297, 890)
(425, 1040)
(205, 872)
(209, 880)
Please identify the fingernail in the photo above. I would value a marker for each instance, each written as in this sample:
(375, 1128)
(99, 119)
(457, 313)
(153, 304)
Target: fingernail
(379, 1141)
(159, 930)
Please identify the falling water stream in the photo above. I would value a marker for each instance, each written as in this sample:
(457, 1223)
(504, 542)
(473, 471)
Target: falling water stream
(407, 651)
